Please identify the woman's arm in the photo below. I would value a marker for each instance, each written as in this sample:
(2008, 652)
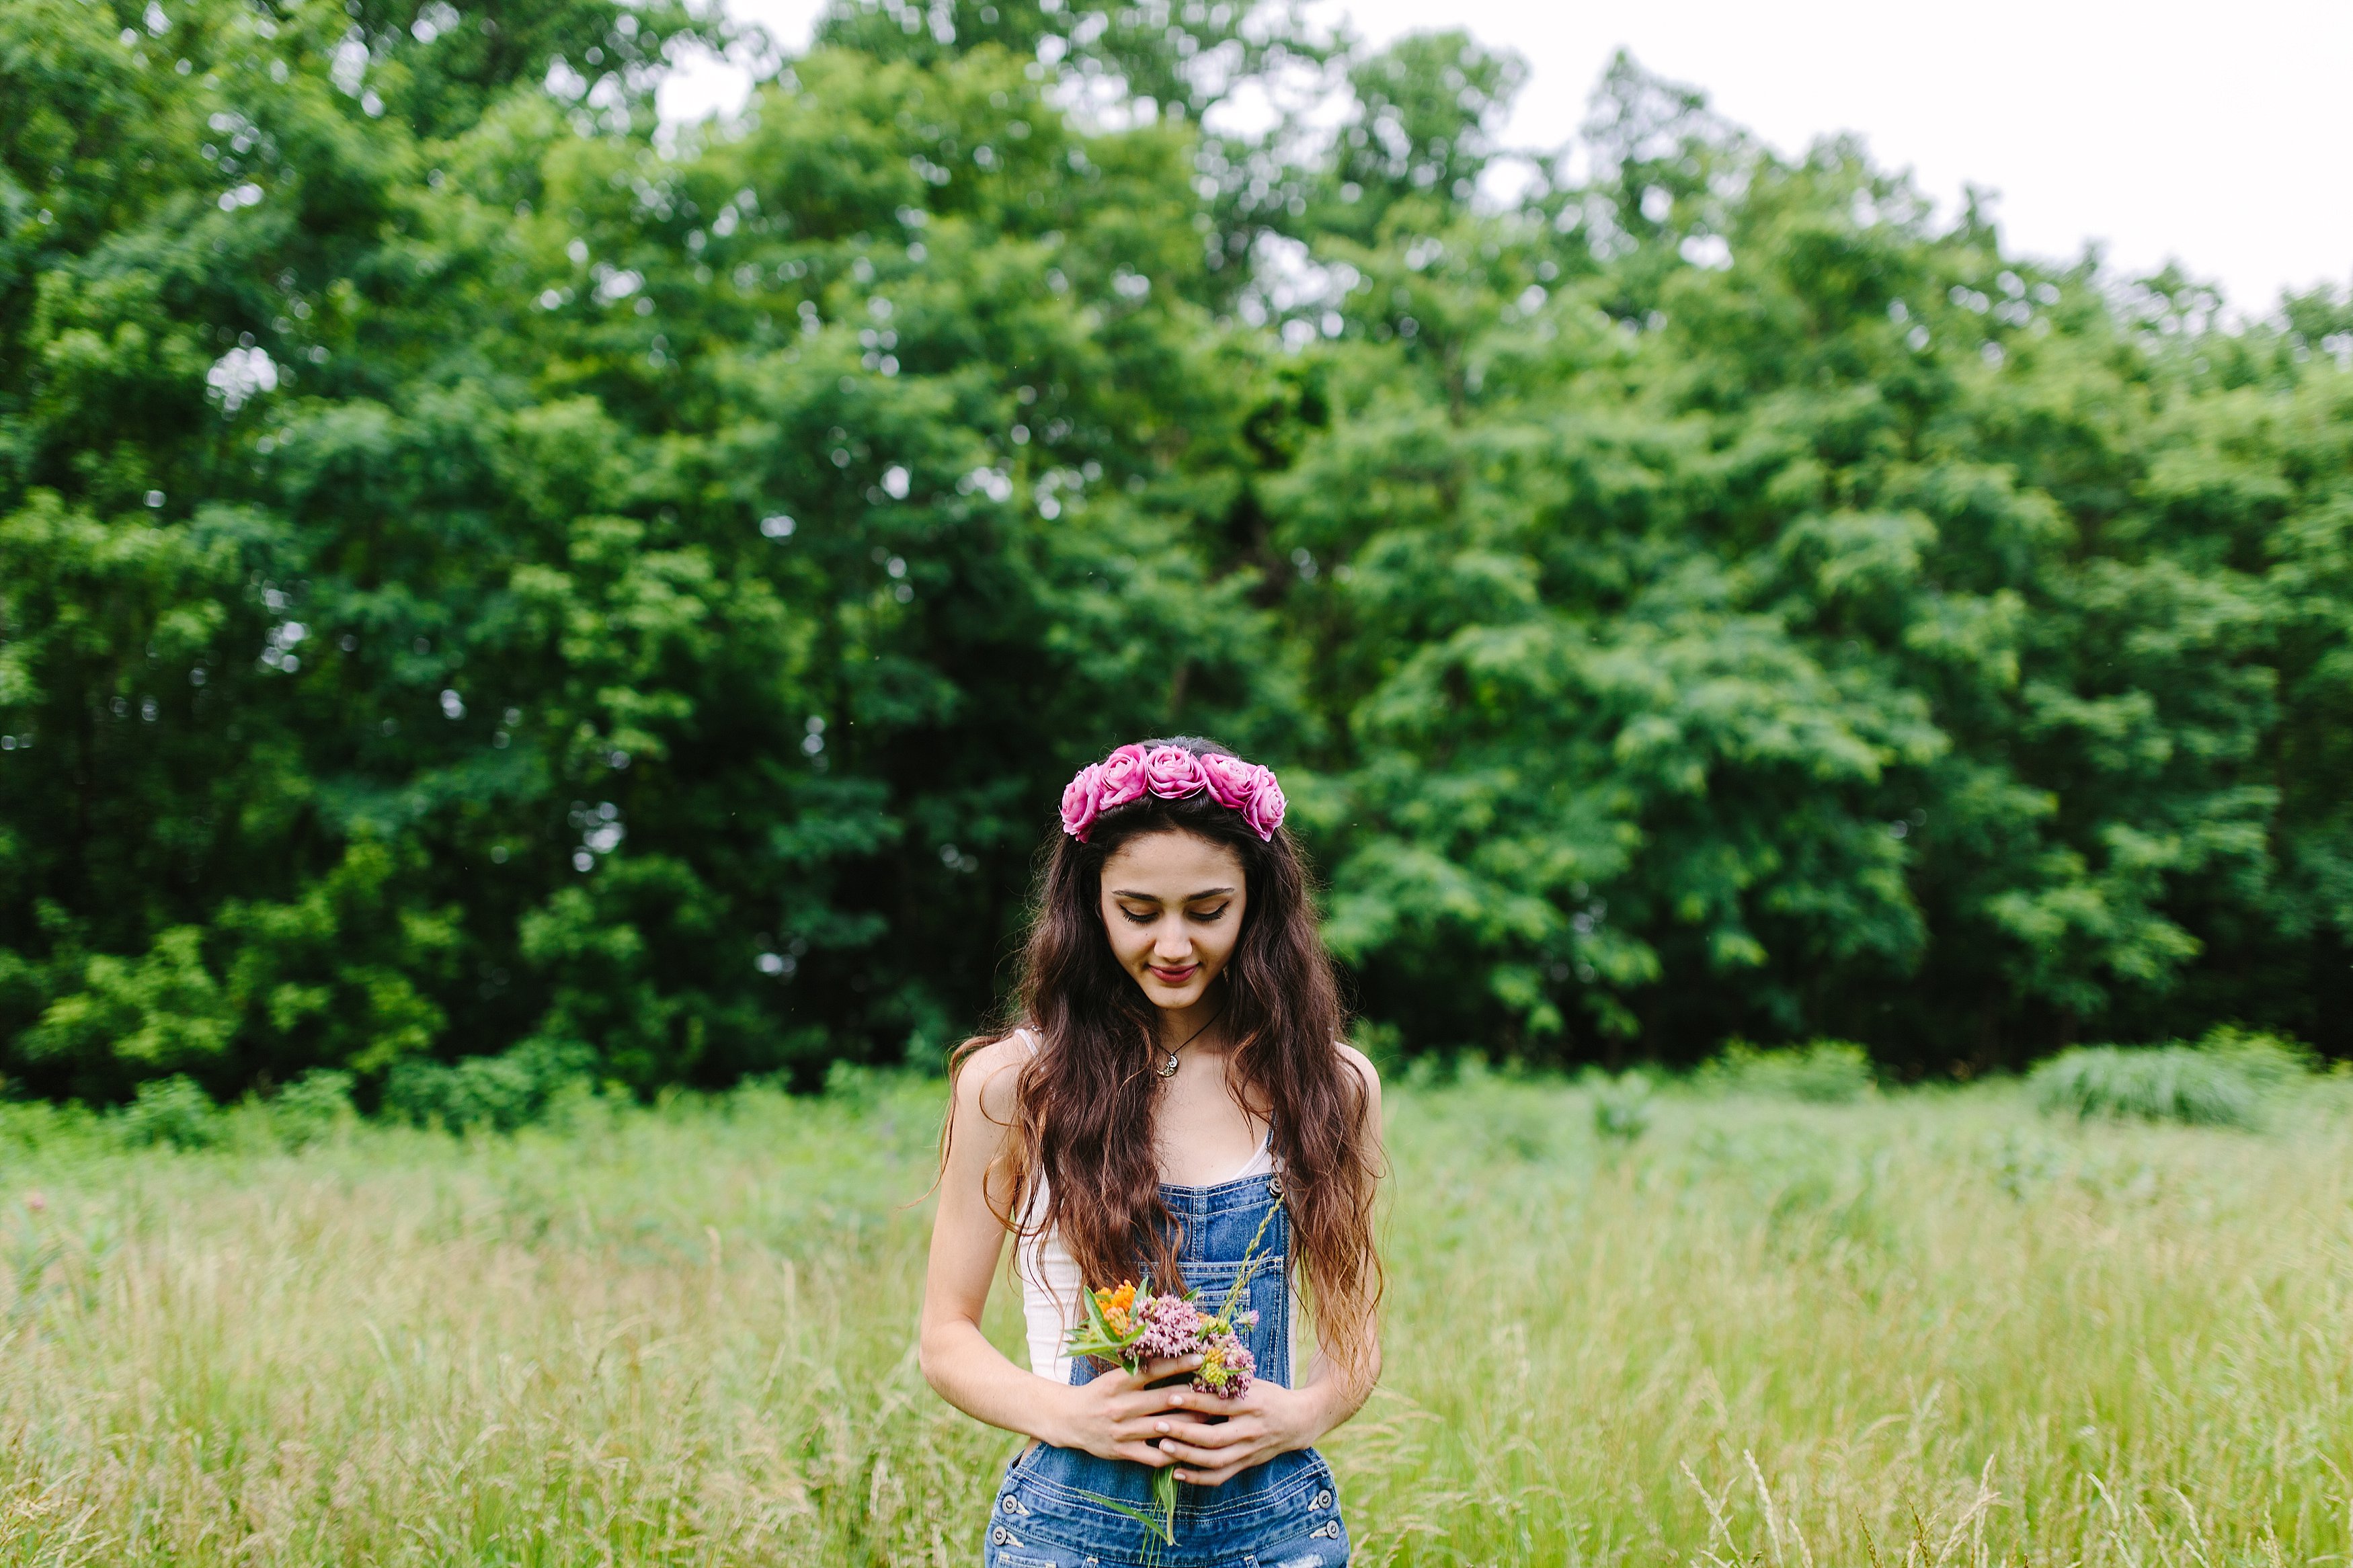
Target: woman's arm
(1113, 1417)
(1270, 1419)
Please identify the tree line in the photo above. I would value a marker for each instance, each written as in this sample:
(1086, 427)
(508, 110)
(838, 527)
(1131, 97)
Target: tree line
(481, 572)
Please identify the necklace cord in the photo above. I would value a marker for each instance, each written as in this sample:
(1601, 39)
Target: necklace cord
(1168, 1070)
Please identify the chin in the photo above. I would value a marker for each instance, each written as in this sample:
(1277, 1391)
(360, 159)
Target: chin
(1166, 996)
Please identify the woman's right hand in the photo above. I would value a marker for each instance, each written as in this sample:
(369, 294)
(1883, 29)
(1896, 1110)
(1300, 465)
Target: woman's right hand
(1119, 1416)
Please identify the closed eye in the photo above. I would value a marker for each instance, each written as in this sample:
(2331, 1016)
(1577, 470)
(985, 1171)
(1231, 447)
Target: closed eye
(1208, 917)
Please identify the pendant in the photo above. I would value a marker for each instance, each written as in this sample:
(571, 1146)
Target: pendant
(1168, 1067)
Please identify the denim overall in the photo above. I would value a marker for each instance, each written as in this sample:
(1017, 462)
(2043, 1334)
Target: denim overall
(1284, 1513)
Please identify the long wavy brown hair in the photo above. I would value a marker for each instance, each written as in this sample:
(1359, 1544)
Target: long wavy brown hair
(1081, 1128)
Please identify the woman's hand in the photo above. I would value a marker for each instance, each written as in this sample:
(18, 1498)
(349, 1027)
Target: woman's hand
(1118, 1414)
(1269, 1420)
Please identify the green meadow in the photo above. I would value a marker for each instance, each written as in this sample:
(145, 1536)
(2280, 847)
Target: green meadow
(1931, 1326)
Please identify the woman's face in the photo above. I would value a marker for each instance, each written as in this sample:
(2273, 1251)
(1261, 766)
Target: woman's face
(1172, 905)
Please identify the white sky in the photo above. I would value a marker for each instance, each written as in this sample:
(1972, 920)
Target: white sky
(2222, 136)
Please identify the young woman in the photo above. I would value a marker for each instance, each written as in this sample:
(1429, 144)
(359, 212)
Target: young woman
(1176, 1080)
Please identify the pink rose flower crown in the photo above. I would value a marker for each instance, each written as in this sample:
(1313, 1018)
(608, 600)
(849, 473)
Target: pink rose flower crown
(1172, 772)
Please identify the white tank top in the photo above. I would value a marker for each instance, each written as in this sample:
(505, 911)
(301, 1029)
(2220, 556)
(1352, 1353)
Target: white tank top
(1050, 1282)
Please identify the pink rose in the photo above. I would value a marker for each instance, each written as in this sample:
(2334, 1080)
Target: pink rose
(1079, 803)
(1229, 779)
(1122, 779)
(1172, 772)
(1263, 810)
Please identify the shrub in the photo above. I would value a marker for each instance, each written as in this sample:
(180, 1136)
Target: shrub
(313, 1107)
(27, 1125)
(2268, 1061)
(501, 1092)
(2154, 1083)
(1621, 1107)
(1829, 1072)
(172, 1111)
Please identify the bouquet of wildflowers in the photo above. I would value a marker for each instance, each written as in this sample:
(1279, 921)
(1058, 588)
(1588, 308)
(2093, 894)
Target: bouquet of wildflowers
(1130, 1325)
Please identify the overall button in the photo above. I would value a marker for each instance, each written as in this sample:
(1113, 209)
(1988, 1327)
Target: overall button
(1323, 1499)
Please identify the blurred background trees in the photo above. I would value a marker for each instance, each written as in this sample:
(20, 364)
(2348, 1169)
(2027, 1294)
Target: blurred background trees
(482, 575)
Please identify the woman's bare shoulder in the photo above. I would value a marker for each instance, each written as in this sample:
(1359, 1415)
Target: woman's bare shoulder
(1369, 1078)
(988, 1079)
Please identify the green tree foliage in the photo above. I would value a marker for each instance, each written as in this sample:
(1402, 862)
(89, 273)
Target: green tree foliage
(1754, 609)
(479, 574)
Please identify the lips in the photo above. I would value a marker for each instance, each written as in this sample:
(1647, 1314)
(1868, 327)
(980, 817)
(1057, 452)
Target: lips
(1176, 976)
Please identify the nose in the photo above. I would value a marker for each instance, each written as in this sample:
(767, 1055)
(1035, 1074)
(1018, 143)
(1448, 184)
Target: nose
(1171, 944)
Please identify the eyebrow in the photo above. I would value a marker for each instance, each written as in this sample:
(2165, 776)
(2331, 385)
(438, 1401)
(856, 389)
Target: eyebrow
(1187, 899)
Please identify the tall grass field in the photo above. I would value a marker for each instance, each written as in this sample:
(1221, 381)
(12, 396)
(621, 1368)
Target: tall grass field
(1726, 1320)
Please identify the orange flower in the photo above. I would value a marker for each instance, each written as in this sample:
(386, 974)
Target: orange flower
(1115, 1305)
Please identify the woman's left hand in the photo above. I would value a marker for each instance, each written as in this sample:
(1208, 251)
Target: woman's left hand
(1269, 1420)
